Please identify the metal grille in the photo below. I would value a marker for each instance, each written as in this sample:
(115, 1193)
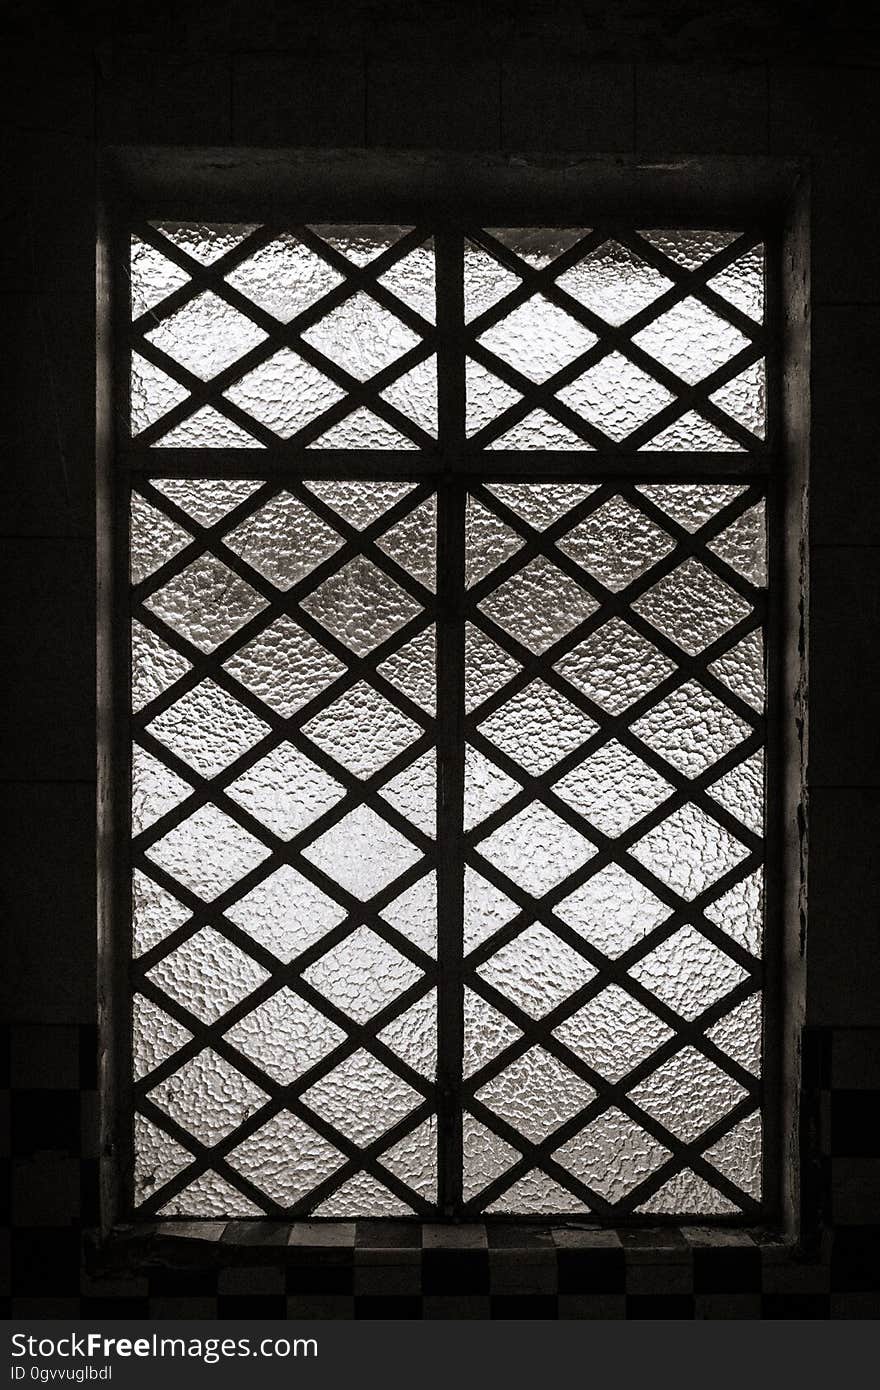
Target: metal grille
(447, 672)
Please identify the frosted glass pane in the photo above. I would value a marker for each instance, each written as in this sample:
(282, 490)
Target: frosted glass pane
(539, 605)
(284, 541)
(745, 398)
(339, 1098)
(208, 1097)
(691, 431)
(538, 246)
(536, 970)
(363, 853)
(612, 910)
(206, 500)
(691, 340)
(361, 336)
(415, 394)
(688, 1195)
(154, 790)
(362, 974)
(688, 851)
(155, 1036)
(485, 1156)
(362, 730)
(155, 913)
(411, 542)
(692, 606)
(284, 278)
(538, 338)
(210, 1195)
(360, 245)
(487, 395)
(208, 729)
(738, 1155)
(744, 545)
(207, 429)
(487, 667)
(414, 913)
(285, 1158)
(153, 276)
(688, 973)
(208, 975)
(536, 1094)
(361, 430)
(537, 727)
(208, 852)
(360, 503)
(739, 912)
(285, 791)
(206, 242)
(690, 248)
(284, 393)
(486, 281)
(541, 504)
(284, 666)
(612, 1155)
(616, 543)
(488, 542)
(486, 787)
(539, 431)
(412, 1035)
(613, 282)
(206, 602)
(286, 913)
(157, 1159)
(414, 1159)
(486, 1032)
(616, 396)
(742, 283)
(614, 666)
(153, 392)
(412, 668)
(537, 849)
(413, 792)
(613, 788)
(412, 280)
(687, 1094)
(691, 504)
(536, 1194)
(362, 1195)
(691, 729)
(739, 1034)
(613, 1033)
(361, 605)
(741, 792)
(206, 336)
(486, 909)
(742, 669)
(285, 1036)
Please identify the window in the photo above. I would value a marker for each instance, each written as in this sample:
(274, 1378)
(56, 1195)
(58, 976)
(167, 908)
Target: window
(448, 568)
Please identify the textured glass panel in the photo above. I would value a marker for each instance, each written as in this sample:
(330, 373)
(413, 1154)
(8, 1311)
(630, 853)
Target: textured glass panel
(206, 242)
(284, 278)
(412, 543)
(412, 668)
(360, 245)
(688, 1195)
(692, 606)
(284, 393)
(210, 1195)
(537, 727)
(153, 276)
(284, 666)
(207, 728)
(536, 1194)
(155, 913)
(206, 500)
(539, 605)
(613, 788)
(616, 396)
(286, 913)
(745, 398)
(486, 909)
(538, 338)
(691, 431)
(362, 730)
(541, 504)
(615, 666)
(361, 336)
(616, 543)
(536, 970)
(613, 282)
(539, 431)
(744, 545)
(362, 1195)
(742, 283)
(742, 669)
(612, 1155)
(208, 852)
(285, 1158)
(285, 1036)
(339, 1098)
(284, 541)
(486, 1032)
(538, 246)
(412, 1035)
(487, 395)
(486, 281)
(206, 602)
(738, 1155)
(688, 851)
(687, 1094)
(360, 503)
(206, 336)
(612, 910)
(487, 667)
(208, 1097)
(691, 729)
(362, 853)
(688, 973)
(285, 791)
(362, 974)
(413, 1159)
(155, 1036)
(613, 1033)
(153, 393)
(412, 280)
(154, 790)
(537, 849)
(362, 430)
(157, 1159)
(414, 913)
(207, 975)
(739, 912)
(154, 538)
(413, 792)
(741, 792)
(486, 787)
(691, 504)
(691, 340)
(207, 429)
(488, 542)
(739, 1034)
(485, 1156)
(361, 605)
(689, 248)
(536, 1094)
(415, 394)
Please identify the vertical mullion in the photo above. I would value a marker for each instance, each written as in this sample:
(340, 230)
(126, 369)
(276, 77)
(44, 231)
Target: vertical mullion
(450, 719)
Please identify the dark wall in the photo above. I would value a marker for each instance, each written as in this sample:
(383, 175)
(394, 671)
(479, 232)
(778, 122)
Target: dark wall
(652, 80)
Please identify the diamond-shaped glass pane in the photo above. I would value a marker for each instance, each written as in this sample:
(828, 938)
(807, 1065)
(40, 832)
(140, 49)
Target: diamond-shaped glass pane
(616, 543)
(613, 788)
(613, 282)
(612, 1155)
(284, 666)
(536, 1094)
(688, 973)
(361, 605)
(615, 395)
(206, 603)
(362, 974)
(208, 975)
(613, 1033)
(285, 1036)
(538, 605)
(612, 910)
(361, 336)
(614, 666)
(339, 1098)
(362, 730)
(363, 853)
(537, 727)
(284, 277)
(285, 791)
(692, 606)
(691, 340)
(208, 852)
(207, 1097)
(537, 849)
(691, 729)
(687, 1094)
(206, 335)
(286, 913)
(207, 728)
(688, 851)
(536, 970)
(285, 1158)
(538, 338)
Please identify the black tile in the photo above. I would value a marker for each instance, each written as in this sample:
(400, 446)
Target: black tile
(320, 1278)
(89, 1195)
(513, 1305)
(45, 1261)
(183, 1283)
(455, 1271)
(114, 1307)
(88, 1057)
(378, 1306)
(591, 1271)
(795, 1305)
(388, 1235)
(659, 1305)
(816, 1058)
(855, 1124)
(45, 1120)
(249, 1306)
(855, 1260)
(731, 1270)
(4, 1056)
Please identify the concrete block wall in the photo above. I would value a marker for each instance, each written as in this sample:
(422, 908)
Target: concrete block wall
(647, 79)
